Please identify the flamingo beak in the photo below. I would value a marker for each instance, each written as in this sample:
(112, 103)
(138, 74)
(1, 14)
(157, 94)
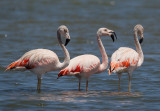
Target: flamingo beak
(113, 35)
(67, 41)
(141, 40)
(59, 76)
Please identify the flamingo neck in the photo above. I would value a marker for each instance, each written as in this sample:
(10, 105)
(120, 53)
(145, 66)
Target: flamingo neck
(104, 64)
(66, 53)
(139, 49)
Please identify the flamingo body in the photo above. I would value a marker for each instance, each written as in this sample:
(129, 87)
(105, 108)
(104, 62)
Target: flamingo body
(38, 61)
(124, 60)
(83, 66)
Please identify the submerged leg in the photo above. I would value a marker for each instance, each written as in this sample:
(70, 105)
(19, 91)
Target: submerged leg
(79, 84)
(119, 77)
(119, 84)
(129, 83)
(39, 84)
(87, 85)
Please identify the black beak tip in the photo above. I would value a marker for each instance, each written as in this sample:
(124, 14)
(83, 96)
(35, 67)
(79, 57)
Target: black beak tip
(112, 36)
(67, 41)
(59, 76)
(141, 40)
(115, 35)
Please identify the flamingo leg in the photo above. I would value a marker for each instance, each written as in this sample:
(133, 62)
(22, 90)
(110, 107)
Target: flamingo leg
(39, 84)
(129, 83)
(119, 84)
(119, 77)
(79, 84)
(87, 85)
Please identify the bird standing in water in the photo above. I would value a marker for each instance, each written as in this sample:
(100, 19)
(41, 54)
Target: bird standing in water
(41, 61)
(126, 60)
(87, 64)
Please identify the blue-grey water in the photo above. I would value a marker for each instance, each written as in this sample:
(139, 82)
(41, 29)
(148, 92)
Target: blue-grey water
(32, 24)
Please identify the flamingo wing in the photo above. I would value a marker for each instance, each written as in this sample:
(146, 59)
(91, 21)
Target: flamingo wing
(21, 63)
(81, 64)
(122, 59)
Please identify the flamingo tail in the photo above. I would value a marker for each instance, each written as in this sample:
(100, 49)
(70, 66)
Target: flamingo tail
(20, 65)
(12, 65)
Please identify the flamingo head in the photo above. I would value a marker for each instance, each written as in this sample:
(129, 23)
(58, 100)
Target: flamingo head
(106, 32)
(139, 30)
(63, 30)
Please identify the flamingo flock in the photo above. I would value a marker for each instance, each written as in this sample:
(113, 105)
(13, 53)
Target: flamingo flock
(124, 60)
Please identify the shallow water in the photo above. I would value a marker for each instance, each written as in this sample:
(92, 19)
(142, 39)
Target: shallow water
(28, 24)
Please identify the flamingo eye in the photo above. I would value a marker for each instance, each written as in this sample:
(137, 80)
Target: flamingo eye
(105, 29)
(65, 30)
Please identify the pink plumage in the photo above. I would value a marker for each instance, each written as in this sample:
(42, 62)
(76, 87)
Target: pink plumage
(38, 61)
(123, 59)
(126, 60)
(84, 65)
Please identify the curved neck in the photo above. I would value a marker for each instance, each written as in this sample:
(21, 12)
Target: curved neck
(139, 49)
(66, 53)
(104, 64)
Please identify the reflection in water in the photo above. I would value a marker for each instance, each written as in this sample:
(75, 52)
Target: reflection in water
(78, 96)
(132, 94)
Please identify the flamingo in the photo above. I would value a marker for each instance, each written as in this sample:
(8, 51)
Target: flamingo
(87, 64)
(126, 60)
(41, 61)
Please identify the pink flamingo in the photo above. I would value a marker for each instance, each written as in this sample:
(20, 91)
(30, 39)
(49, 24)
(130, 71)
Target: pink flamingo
(126, 59)
(41, 61)
(85, 65)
